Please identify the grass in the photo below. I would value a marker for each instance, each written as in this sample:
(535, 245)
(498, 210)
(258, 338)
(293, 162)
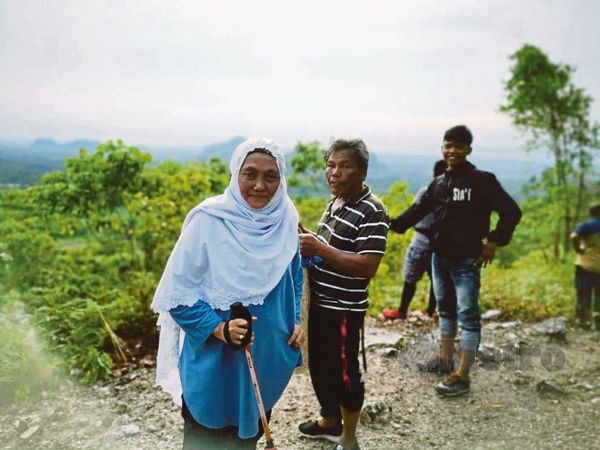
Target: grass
(26, 368)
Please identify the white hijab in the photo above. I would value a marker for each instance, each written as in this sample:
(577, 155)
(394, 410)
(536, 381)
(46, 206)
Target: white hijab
(226, 252)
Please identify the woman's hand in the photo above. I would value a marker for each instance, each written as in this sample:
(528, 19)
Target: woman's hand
(237, 330)
(297, 337)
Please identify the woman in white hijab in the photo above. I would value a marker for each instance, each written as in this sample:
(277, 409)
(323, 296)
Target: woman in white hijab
(240, 246)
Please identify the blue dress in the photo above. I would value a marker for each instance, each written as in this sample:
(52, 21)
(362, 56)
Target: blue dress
(217, 388)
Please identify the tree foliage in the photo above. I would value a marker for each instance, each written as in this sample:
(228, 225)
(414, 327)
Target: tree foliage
(86, 246)
(83, 251)
(543, 101)
(308, 164)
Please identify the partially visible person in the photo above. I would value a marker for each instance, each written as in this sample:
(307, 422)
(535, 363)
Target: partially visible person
(417, 260)
(586, 242)
(241, 246)
(462, 201)
(351, 240)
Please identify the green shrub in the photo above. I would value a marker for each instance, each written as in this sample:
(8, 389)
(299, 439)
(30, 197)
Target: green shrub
(531, 289)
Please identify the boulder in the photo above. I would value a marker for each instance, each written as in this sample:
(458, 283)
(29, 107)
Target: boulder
(376, 413)
(491, 314)
(555, 328)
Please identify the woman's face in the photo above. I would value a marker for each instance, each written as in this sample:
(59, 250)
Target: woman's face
(258, 179)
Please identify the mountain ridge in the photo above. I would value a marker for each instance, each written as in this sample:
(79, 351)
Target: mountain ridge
(24, 164)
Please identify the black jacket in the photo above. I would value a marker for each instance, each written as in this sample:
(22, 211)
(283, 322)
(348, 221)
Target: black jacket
(462, 201)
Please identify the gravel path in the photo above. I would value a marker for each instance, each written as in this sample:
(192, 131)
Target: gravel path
(551, 402)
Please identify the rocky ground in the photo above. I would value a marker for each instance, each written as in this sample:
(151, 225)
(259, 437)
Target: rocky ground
(536, 386)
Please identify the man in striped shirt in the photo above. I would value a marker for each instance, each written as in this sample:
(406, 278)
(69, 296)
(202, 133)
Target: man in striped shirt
(351, 240)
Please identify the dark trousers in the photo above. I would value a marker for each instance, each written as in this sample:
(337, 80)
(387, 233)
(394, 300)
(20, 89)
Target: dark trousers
(587, 285)
(408, 292)
(199, 437)
(333, 343)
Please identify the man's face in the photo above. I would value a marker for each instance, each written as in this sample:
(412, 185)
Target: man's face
(258, 179)
(343, 175)
(455, 153)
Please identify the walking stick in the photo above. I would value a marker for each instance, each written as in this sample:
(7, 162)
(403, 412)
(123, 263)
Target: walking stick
(259, 400)
(240, 311)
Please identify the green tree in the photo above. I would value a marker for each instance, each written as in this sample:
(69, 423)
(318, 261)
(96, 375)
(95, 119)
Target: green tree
(308, 167)
(544, 103)
(99, 189)
(96, 187)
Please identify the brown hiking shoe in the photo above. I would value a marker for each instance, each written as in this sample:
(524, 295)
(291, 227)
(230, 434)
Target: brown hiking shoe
(453, 386)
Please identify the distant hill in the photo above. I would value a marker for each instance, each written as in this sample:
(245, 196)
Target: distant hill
(222, 150)
(23, 165)
(417, 170)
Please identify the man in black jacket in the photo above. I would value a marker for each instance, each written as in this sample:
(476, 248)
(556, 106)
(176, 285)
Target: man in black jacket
(461, 201)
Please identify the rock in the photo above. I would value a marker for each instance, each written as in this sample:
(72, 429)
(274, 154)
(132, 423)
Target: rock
(546, 388)
(104, 391)
(21, 426)
(147, 361)
(376, 413)
(511, 324)
(554, 328)
(27, 434)
(387, 352)
(595, 401)
(421, 316)
(129, 430)
(492, 314)
(489, 354)
(380, 337)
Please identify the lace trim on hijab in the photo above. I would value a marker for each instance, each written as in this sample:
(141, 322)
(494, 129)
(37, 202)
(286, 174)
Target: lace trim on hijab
(215, 298)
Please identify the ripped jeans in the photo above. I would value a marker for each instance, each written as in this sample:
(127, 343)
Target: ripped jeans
(456, 285)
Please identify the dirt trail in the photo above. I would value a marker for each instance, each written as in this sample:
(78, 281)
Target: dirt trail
(531, 399)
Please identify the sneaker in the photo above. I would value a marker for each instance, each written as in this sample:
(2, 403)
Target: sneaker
(312, 429)
(393, 314)
(436, 365)
(453, 386)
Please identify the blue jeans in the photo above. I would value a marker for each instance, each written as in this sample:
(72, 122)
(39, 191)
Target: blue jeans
(456, 286)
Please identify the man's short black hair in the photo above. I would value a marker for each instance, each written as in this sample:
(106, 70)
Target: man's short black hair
(595, 210)
(460, 134)
(358, 149)
(439, 167)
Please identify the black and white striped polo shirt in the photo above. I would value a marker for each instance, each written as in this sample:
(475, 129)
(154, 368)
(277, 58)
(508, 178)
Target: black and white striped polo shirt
(360, 227)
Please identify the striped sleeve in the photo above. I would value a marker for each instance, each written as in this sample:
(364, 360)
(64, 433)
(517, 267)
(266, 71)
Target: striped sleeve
(372, 233)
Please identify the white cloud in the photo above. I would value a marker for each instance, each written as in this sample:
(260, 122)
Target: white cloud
(189, 72)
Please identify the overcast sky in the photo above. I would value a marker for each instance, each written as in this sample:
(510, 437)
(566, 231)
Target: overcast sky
(189, 73)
